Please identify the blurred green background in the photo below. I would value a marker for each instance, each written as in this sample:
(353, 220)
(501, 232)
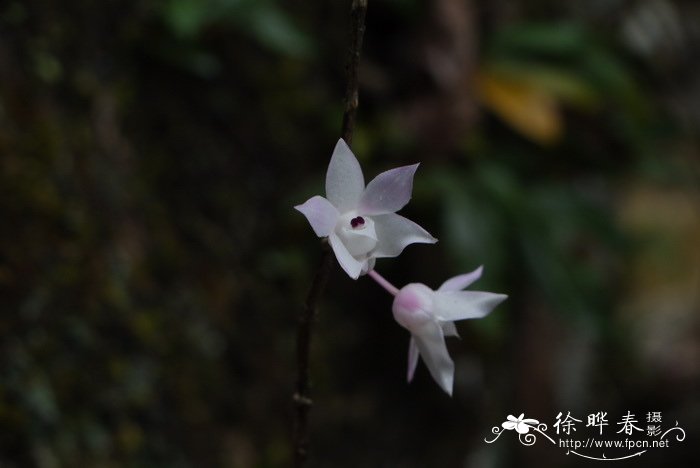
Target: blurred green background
(152, 266)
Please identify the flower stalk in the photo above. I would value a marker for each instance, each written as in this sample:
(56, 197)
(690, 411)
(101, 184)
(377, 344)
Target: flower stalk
(390, 288)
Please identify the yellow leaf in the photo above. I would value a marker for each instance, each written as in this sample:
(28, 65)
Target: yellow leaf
(525, 107)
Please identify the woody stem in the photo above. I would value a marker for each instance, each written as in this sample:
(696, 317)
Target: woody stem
(302, 395)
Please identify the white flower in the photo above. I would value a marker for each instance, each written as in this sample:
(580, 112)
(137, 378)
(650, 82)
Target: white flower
(522, 426)
(429, 316)
(361, 222)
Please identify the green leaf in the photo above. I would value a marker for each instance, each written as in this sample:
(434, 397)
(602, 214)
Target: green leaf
(262, 20)
(187, 17)
(560, 39)
(275, 29)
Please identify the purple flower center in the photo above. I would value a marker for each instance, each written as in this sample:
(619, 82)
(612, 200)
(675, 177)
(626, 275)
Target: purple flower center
(357, 222)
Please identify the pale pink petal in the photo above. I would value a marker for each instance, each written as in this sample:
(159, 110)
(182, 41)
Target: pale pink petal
(347, 262)
(394, 233)
(457, 283)
(431, 344)
(388, 192)
(412, 306)
(412, 358)
(460, 305)
(344, 180)
(321, 214)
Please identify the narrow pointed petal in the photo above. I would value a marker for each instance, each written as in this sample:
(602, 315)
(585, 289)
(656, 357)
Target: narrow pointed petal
(388, 192)
(394, 233)
(449, 329)
(347, 262)
(431, 344)
(344, 180)
(460, 282)
(461, 305)
(412, 358)
(321, 214)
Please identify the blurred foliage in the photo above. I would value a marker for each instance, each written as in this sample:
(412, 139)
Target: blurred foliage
(533, 69)
(151, 267)
(264, 21)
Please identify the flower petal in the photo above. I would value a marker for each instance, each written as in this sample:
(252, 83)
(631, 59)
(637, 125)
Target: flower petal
(352, 266)
(388, 192)
(368, 264)
(321, 214)
(431, 344)
(460, 305)
(449, 329)
(460, 282)
(509, 425)
(412, 358)
(344, 180)
(394, 233)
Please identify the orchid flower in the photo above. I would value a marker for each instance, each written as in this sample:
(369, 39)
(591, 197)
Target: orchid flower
(361, 222)
(430, 315)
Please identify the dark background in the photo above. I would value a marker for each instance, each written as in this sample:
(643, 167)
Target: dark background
(152, 266)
